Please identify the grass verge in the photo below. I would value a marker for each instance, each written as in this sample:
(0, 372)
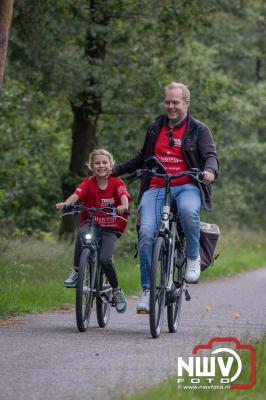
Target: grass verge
(33, 271)
(168, 390)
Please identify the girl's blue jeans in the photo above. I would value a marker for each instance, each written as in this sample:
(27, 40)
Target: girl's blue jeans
(188, 203)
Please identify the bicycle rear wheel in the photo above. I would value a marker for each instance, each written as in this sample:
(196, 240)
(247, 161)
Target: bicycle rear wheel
(84, 290)
(103, 302)
(174, 309)
(158, 286)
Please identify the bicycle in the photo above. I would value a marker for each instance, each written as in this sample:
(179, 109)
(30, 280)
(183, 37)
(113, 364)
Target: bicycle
(91, 282)
(169, 253)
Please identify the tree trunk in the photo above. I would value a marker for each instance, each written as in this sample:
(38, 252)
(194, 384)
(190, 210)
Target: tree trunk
(6, 10)
(87, 106)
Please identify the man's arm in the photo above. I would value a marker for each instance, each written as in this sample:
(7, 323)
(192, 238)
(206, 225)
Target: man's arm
(128, 166)
(208, 154)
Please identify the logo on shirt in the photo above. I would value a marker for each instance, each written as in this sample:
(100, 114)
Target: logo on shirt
(108, 202)
(177, 142)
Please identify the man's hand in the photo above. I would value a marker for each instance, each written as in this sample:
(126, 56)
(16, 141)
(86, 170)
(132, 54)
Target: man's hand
(208, 177)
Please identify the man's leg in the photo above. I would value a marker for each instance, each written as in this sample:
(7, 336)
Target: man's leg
(189, 204)
(150, 215)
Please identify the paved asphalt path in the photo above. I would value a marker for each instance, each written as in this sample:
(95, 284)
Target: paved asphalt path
(44, 357)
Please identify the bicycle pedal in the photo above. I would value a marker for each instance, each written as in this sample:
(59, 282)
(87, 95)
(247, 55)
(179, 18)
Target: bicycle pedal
(113, 302)
(142, 312)
(187, 295)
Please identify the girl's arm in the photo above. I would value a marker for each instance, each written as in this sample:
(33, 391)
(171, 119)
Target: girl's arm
(124, 204)
(69, 201)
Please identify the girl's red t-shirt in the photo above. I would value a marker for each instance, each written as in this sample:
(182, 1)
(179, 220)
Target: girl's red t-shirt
(92, 196)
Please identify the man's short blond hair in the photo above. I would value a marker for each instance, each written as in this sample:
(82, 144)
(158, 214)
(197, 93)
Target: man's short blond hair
(184, 88)
(99, 152)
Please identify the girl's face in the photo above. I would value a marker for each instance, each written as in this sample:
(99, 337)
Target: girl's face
(101, 166)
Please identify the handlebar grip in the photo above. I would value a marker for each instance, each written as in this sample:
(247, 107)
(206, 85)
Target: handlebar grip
(126, 213)
(68, 208)
(201, 176)
(134, 176)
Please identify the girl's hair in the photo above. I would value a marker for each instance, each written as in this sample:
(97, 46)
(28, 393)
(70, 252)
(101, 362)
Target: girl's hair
(99, 152)
(184, 88)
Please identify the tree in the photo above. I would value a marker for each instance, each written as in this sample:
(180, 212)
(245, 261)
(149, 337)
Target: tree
(6, 10)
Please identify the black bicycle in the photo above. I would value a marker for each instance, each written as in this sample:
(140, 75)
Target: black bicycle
(92, 282)
(169, 253)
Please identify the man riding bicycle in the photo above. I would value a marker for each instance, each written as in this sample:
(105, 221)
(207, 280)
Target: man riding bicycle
(180, 142)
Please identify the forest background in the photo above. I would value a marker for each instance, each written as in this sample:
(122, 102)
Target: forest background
(85, 74)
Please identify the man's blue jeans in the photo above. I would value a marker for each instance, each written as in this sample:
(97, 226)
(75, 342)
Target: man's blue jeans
(188, 203)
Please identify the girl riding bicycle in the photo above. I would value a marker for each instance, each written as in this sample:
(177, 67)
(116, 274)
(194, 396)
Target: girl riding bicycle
(101, 190)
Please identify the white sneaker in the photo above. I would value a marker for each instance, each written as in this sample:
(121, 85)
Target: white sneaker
(192, 273)
(143, 306)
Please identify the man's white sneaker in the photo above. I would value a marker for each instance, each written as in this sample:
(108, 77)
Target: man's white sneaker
(193, 270)
(143, 306)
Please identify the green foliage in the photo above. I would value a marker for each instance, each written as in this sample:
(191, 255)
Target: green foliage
(240, 197)
(211, 46)
(34, 152)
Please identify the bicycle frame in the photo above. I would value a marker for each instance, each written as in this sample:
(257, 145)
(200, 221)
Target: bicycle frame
(169, 220)
(90, 239)
(167, 216)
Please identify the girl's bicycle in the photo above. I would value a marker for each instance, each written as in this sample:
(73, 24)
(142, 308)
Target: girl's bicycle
(169, 253)
(92, 282)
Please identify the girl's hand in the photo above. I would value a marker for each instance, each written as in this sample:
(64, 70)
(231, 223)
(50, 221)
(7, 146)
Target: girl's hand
(208, 176)
(121, 209)
(60, 206)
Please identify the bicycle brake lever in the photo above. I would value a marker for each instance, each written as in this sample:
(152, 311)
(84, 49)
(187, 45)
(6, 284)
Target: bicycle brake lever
(134, 176)
(69, 213)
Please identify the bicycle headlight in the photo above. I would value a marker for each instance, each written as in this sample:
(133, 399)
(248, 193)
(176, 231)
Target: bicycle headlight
(165, 216)
(88, 236)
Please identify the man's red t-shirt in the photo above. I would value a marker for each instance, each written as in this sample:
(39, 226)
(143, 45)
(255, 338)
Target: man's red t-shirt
(92, 196)
(171, 157)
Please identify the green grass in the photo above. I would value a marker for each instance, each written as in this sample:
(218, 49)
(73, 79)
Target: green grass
(33, 271)
(168, 389)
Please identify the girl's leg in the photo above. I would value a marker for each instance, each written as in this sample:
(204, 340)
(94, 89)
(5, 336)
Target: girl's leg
(109, 244)
(71, 281)
(77, 251)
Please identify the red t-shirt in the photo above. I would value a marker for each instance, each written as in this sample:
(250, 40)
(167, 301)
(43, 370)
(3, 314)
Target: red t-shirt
(171, 157)
(92, 196)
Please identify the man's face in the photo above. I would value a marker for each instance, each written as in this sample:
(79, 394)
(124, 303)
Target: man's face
(174, 104)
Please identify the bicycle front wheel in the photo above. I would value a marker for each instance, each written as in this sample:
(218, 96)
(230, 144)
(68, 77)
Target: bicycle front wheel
(103, 302)
(84, 290)
(174, 309)
(158, 286)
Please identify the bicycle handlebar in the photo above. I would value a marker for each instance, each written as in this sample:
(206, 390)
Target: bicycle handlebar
(193, 172)
(77, 208)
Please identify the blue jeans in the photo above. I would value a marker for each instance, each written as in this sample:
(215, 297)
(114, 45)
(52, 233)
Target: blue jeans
(188, 203)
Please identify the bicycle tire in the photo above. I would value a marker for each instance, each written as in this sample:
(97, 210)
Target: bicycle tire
(158, 286)
(84, 290)
(174, 309)
(103, 308)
